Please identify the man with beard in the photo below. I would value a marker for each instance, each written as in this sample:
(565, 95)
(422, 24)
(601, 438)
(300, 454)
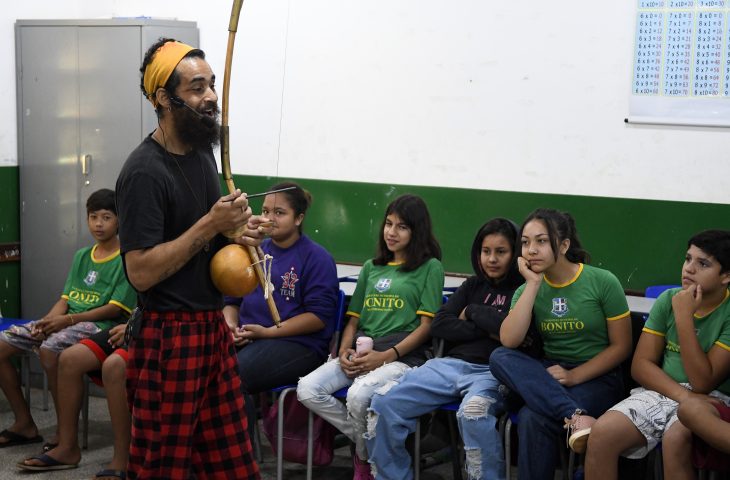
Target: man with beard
(188, 417)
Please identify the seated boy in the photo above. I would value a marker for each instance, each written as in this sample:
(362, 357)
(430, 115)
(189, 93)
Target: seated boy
(683, 353)
(96, 296)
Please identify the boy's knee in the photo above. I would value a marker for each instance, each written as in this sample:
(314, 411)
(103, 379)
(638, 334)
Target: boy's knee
(114, 369)
(677, 437)
(48, 358)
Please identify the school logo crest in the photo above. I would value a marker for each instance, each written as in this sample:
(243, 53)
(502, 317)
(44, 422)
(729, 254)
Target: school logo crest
(91, 278)
(383, 285)
(560, 307)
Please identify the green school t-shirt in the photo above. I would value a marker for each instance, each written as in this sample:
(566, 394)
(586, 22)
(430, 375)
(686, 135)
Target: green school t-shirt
(571, 318)
(387, 300)
(712, 329)
(94, 283)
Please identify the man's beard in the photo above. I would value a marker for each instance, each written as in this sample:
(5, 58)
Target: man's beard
(192, 130)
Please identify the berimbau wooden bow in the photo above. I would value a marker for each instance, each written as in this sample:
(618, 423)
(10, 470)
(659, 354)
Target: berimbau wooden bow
(255, 253)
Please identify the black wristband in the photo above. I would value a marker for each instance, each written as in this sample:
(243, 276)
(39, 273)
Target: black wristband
(397, 353)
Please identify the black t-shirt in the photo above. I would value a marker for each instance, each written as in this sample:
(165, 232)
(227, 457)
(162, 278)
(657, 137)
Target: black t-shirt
(157, 203)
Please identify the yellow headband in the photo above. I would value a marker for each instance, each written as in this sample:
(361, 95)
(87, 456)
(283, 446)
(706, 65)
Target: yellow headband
(161, 67)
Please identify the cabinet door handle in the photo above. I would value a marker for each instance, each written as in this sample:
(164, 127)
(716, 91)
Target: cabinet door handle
(86, 165)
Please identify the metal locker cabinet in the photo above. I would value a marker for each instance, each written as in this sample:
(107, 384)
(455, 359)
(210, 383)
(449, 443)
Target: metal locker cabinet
(80, 113)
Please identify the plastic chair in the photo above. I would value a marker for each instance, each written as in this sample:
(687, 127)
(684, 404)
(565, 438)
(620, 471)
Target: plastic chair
(653, 291)
(285, 390)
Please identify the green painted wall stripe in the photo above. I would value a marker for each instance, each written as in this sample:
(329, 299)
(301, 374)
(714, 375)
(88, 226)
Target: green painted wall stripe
(642, 241)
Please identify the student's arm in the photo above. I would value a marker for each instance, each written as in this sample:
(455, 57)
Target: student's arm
(302, 324)
(451, 322)
(58, 321)
(619, 347)
(646, 367)
(705, 371)
(346, 353)
(230, 313)
(514, 327)
(148, 267)
(700, 415)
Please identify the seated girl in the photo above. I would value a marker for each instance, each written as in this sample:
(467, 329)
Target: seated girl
(397, 294)
(467, 324)
(305, 282)
(582, 316)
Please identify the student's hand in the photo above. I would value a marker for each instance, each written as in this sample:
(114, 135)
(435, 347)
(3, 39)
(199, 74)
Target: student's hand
(524, 266)
(686, 302)
(48, 325)
(230, 212)
(116, 335)
(563, 376)
(253, 331)
(462, 315)
(238, 339)
(257, 228)
(370, 361)
(346, 363)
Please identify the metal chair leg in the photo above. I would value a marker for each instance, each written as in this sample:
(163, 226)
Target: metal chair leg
(310, 443)
(85, 414)
(280, 434)
(417, 451)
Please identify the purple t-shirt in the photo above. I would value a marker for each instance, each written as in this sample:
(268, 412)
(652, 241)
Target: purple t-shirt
(305, 280)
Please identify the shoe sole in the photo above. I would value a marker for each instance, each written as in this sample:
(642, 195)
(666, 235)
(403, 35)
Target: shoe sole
(579, 441)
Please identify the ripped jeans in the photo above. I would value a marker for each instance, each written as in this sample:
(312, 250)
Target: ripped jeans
(422, 390)
(315, 392)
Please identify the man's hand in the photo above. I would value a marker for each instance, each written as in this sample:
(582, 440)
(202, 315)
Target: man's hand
(230, 212)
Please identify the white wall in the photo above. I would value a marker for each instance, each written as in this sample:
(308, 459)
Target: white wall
(522, 96)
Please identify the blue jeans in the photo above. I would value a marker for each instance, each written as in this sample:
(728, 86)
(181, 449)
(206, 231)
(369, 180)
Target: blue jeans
(547, 403)
(424, 389)
(268, 363)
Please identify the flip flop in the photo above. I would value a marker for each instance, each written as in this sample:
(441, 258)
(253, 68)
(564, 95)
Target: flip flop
(17, 439)
(108, 473)
(47, 464)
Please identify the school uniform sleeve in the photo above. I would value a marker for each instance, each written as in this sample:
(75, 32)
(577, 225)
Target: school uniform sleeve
(433, 291)
(613, 297)
(447, 324)
(123, 296)
(661, 311)
(73, 274)
(517, 295)
(358, 297)
(724, 340)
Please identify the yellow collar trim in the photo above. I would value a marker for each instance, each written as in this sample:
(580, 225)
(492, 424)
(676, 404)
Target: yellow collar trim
(572, 280)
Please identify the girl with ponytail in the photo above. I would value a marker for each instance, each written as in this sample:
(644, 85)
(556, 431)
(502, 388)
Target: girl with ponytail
(583, 318)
